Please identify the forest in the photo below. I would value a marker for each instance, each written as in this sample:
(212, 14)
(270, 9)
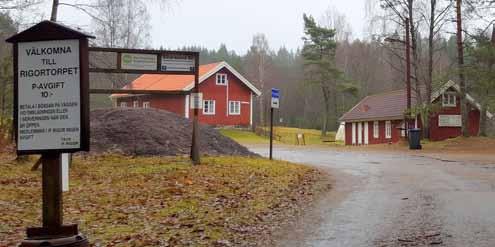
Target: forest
(332, 71)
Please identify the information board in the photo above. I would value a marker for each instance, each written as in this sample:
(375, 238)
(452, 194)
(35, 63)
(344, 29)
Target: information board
(177, 63)
(49, 96)
(196, 100)
(139, 61)
(449, 120)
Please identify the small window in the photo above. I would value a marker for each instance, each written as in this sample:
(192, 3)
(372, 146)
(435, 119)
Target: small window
(234, 107)
(123, 104)
(376, 130)
(449, 99)
(209, 107)
(146, 105)
(135, 104)
(403, 129)
(222, 79)
(388, 129)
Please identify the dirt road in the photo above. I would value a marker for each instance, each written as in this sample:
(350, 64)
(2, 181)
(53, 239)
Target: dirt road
(395, 199)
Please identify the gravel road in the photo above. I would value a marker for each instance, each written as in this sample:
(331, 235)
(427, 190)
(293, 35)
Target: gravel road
(395, 199)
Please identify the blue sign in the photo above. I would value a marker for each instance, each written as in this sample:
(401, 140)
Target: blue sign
(275, 93)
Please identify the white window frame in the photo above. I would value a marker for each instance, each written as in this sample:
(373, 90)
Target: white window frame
(232, 108)
(135, 104)
(388, 129)
(221, 79)
(451, 99)
(146, 105)
(123, 104)
(209, 107)
(376, 129)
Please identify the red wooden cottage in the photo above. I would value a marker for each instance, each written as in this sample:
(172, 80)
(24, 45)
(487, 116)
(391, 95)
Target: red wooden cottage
(379, 118)
(227, 95)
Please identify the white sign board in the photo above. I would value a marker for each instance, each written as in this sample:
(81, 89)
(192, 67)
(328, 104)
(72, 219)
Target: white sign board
(275, 103)
(449, 120)
(196, 100)
(139, 61)
(177, 63)
(49, 97)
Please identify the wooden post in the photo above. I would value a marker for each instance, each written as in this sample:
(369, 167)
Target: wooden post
(271, 133)
(195, 135)
(52, 192)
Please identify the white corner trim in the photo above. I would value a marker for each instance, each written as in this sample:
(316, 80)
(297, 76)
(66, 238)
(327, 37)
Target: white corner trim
(231, 69)
(186, 107)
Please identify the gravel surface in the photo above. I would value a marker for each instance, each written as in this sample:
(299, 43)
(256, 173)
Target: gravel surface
(154, 132)
(395, 199)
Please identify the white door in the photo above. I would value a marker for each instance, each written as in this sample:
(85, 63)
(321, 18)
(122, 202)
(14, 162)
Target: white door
(360, 133)
(366, 133)
(353, 133)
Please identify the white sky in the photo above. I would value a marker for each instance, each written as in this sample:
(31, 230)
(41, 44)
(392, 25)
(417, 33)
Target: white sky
(209, 23)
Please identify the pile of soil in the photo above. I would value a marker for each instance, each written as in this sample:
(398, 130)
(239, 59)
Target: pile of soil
(154, 132)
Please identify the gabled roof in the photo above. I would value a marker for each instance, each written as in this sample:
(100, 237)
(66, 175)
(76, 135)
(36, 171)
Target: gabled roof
(182, 82)
(50, 30)
(392, 105)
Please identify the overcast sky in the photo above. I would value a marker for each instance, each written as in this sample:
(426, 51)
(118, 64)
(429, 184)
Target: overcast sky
(209, 23)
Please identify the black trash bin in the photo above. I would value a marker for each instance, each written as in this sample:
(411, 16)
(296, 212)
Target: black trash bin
(415, 138)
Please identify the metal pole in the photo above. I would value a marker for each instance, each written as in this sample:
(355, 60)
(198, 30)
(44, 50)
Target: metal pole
(271, 133)
(52, 191)
(195, 136)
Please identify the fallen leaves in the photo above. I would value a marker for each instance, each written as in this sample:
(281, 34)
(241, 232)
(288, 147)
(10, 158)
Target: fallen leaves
(157, 201)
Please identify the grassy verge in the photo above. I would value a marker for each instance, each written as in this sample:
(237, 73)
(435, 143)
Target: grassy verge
(287, 136)
(124, 201)
(244, 136)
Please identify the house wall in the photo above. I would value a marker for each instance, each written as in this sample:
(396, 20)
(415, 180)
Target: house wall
(441, 133)
(235, 91)
(396, 134)
(171, 103)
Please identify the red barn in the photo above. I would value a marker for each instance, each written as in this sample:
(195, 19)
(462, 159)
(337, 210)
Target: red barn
(379, 118)
(227, 95)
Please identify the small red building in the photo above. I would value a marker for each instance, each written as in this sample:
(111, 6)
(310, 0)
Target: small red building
(379, 118)
(227, 95)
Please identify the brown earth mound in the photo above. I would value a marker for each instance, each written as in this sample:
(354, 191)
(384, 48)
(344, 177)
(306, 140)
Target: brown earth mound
(154, 132)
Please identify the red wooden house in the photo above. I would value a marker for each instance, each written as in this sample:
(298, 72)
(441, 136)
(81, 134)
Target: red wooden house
(227, 95)
(379, 118)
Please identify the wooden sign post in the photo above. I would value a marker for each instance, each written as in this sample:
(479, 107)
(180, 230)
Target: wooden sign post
(51, 115)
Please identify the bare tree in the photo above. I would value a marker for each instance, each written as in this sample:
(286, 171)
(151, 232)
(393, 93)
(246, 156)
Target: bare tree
(258, 61)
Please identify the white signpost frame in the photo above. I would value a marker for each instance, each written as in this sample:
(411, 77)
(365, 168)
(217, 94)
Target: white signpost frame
(49, 96)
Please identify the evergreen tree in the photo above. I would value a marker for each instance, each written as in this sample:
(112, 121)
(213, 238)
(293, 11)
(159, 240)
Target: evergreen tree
(320, 69)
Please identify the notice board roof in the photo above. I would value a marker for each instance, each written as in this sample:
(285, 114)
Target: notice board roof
(48, 30)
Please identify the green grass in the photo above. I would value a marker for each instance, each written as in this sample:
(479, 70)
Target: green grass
(150, 201)
(287, 136)
(244, 136)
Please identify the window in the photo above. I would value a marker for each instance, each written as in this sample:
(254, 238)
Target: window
(376, 130)
(403, 129)
(209, 107)
(388, 129)
(449, 99)
(146, 105)
(234, 107)
(222, 79)
(135, 104)
(123, 104)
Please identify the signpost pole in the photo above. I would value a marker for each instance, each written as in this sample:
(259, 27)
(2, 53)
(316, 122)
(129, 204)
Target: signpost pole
(195, 135)
(271, 133)
(52, 191)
